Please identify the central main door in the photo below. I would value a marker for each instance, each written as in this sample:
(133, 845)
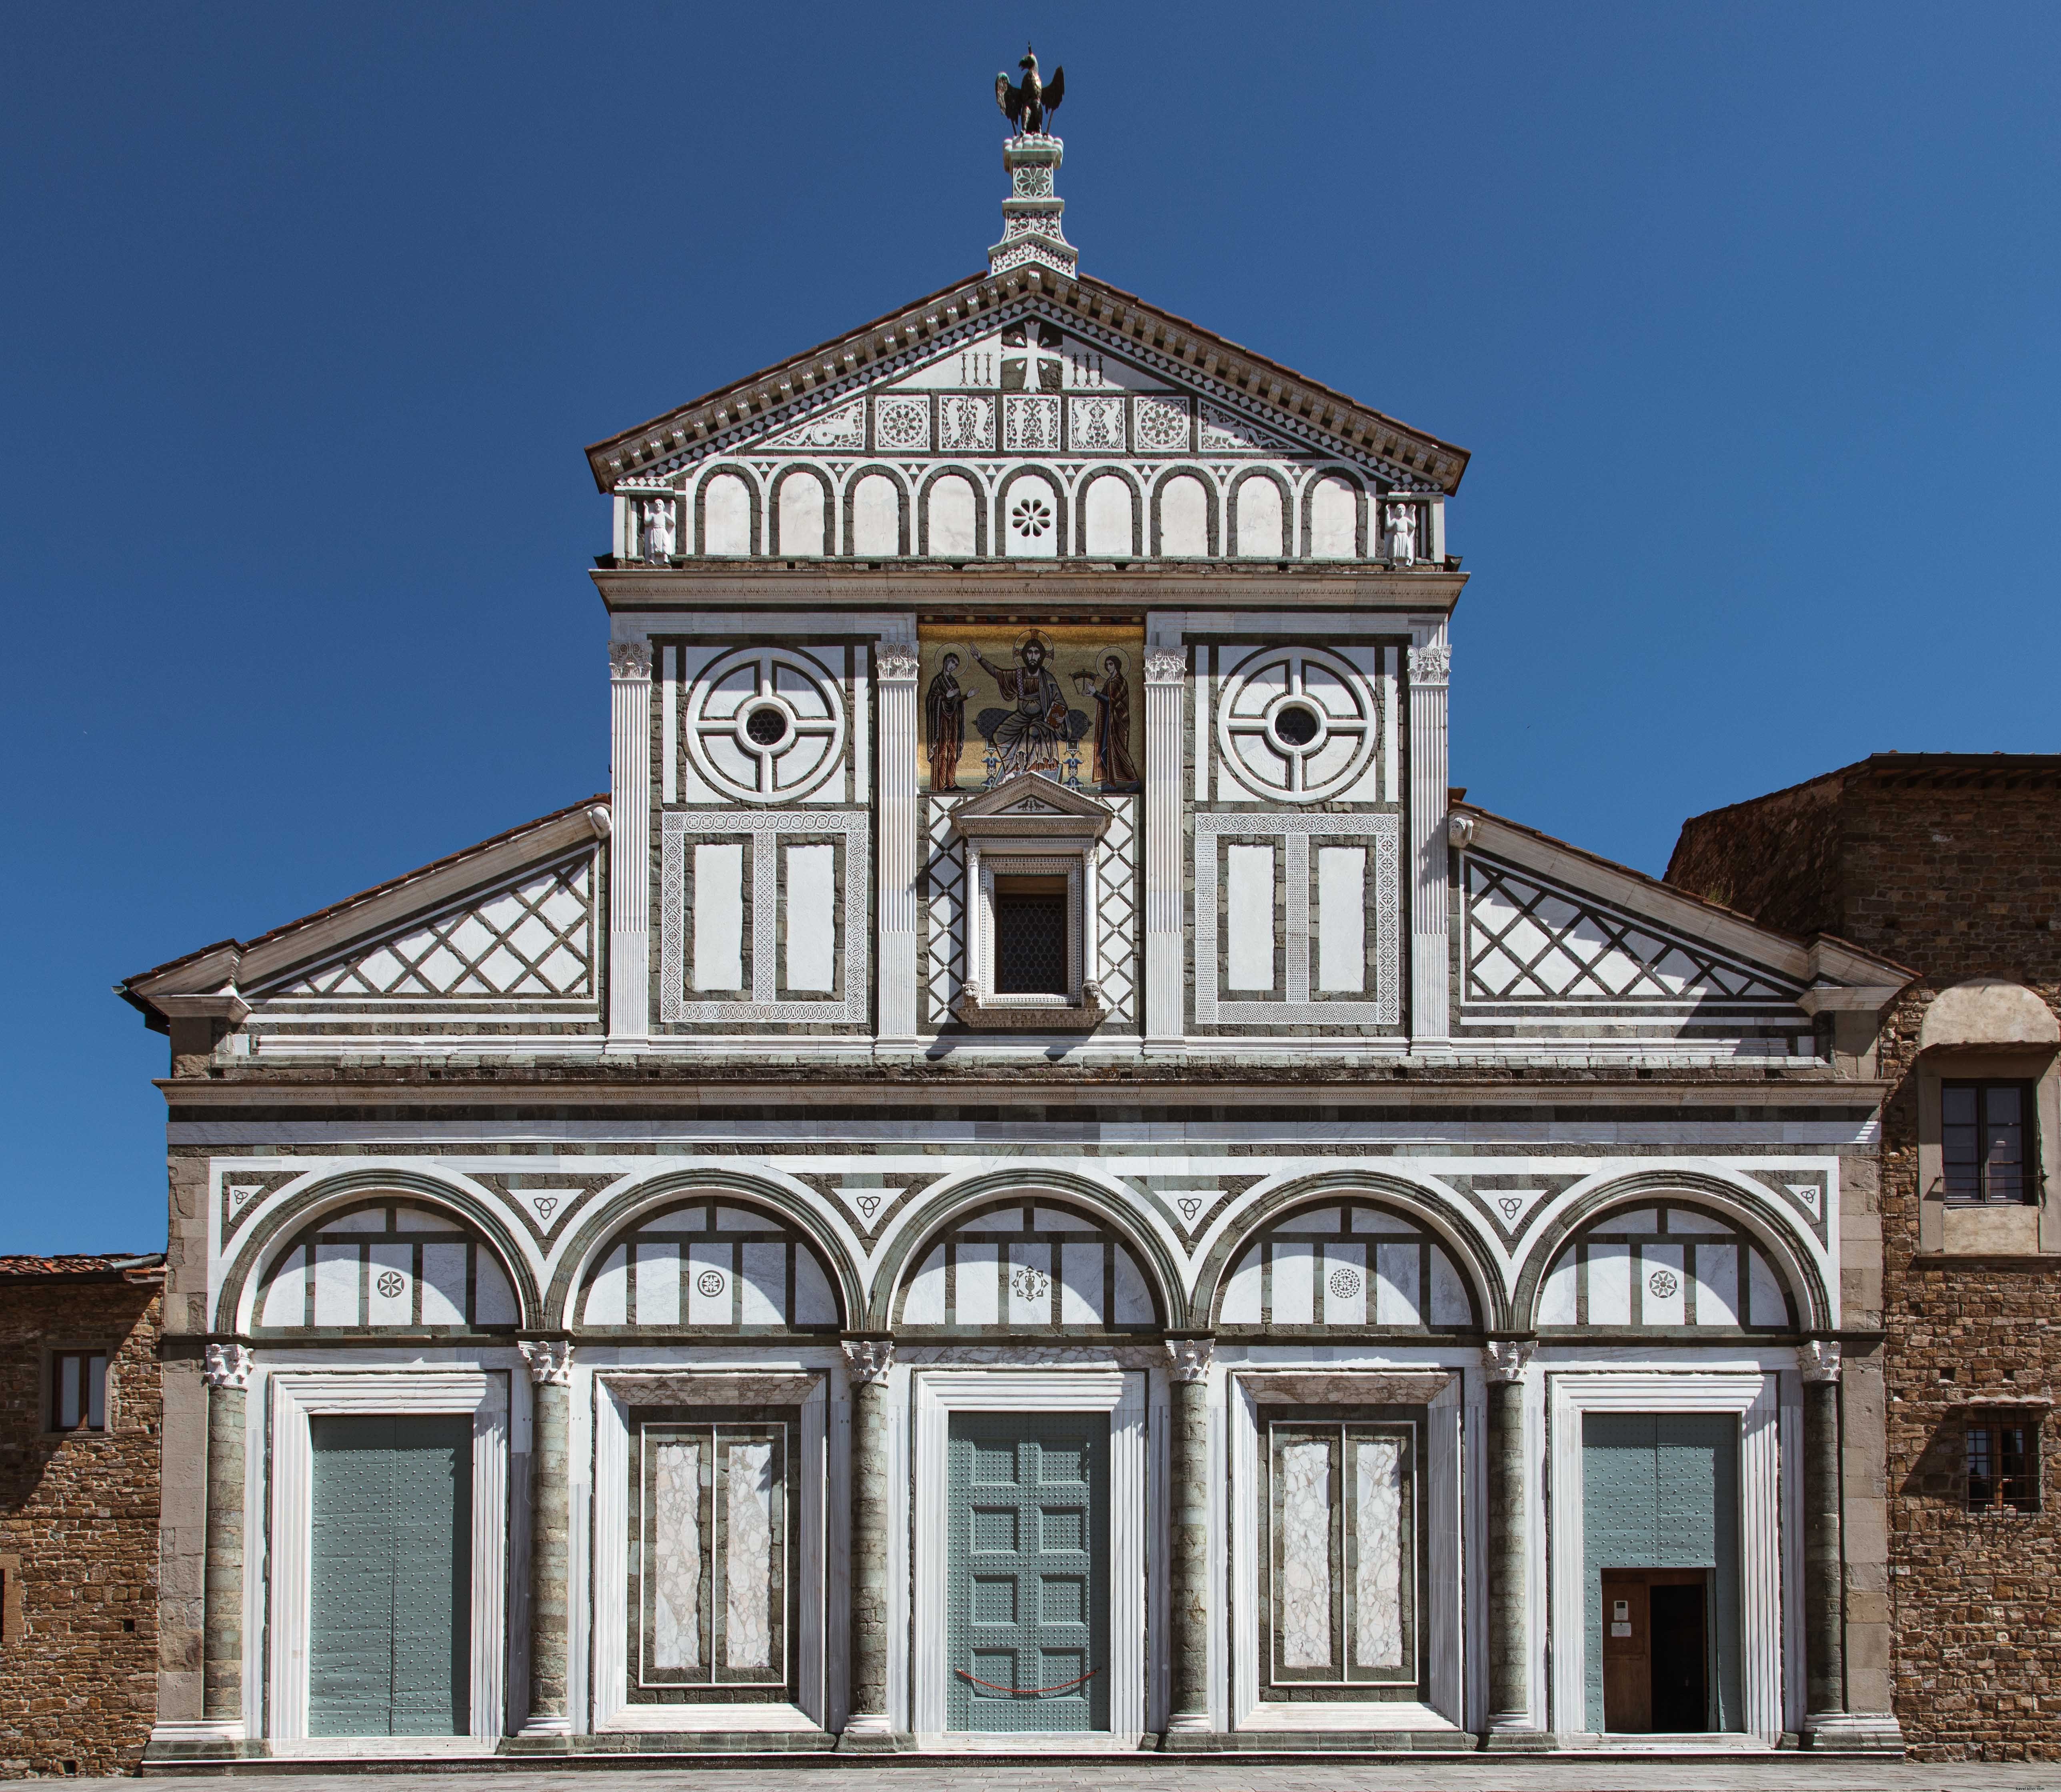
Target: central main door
(1027, 1589)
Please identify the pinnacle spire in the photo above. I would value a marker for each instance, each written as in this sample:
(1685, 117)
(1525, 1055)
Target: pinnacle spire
(1030, 228)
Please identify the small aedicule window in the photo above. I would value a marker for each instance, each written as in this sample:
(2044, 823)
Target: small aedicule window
(1030, 936)
(1985, 1140)
(2003, 1465)
(79, 1390)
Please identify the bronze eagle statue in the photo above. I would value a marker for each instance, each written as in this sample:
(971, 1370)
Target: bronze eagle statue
(1026, 104)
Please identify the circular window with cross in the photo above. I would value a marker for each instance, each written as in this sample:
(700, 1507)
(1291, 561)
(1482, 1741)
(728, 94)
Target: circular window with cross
(766, 724)
(1298, 722)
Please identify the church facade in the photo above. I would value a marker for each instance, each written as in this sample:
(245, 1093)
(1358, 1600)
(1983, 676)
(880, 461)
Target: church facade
(1029, 1177)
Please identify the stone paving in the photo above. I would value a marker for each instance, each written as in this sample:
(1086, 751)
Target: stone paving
(1788, 1772)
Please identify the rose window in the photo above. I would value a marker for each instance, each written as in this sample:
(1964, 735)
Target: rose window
(766, 724)
(1298, 722)
(1031, 516)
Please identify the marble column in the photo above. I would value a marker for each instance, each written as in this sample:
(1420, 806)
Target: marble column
(894, 668)
(227, 1373)
(629, 850)
(1430, 972)
(1511, 1722)
(868, 1724)
(1188, 1639)
(1165, 945)
(550, 1721)
(1824, 1628)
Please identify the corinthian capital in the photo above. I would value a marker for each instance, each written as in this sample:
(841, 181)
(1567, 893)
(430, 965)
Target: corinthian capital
(629, 659)
(1819, 1360)
(227, 1366)
(869, 1359)
(1164, 666)
(894, 665)
(1188, 1359)
(1505, 1359)
(1430, 666)
(550, 1360)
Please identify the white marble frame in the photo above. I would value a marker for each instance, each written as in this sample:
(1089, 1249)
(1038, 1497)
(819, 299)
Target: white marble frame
(808, 1480)
(1439, 1575)
(936, 1393)
(988, 859)
(297, 1396)
(1754, 1398)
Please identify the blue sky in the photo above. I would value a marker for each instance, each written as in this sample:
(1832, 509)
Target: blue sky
(1748, 313)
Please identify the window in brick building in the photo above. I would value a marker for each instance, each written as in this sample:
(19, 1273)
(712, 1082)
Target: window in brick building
(79, 1390)
(2003, 1466)
(1985, 1142)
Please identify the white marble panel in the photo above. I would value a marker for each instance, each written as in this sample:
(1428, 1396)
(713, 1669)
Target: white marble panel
(1333, 516)
(815, 1304)
(389, 1298)
(803, 534)
(286, 1300)
(1184, 518)
(608, 1294)
(492, 1299)
(1109, 519)
(762, 1284)
(740, 1219)
(719, 913)
(974, 1285)
(1378, 1573)
(1341, 919)
(1249, 889)
(924, 1304)
(1399, 1299)
(1379, 1219)
(1556, 1300)
(658, 1283)
(1241, 1300)
(1765, 1297)
(1260, 534)
(1295, 1282)
(1687, 1219)
(876, 518)
(811, 943)
(1311, 1219)
(1663, 1299)
(725, 515)
(1133, 1299)
(952, 508)
(443, 1282)
(748, 1565)
(1449, 1305)
(675, 1534)
(1304, 1592)
(336, 1284)
(1080, 1283)
(1717, 1284)
(1345, 1289)
(710, 1269)
(1609, 1285)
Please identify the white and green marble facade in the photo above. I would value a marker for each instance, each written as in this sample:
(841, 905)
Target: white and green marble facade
(1377, 1139)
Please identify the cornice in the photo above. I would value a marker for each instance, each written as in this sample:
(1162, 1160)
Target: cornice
(842, 584)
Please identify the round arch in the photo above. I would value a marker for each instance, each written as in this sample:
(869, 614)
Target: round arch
(949, 471)
(874, 469)
(1767, 1225)
(1045, 476)
(1109, 470)
(599, 1230)
(271, 1235)
(1287, 510)
(755, 526)
(801, 470)
(1357, 487)
(1212, 507)
(936, 1216)
(1476, 1267)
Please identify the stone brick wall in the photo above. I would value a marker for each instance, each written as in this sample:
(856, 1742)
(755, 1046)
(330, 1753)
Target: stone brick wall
(1951, 865)
(78, 1683)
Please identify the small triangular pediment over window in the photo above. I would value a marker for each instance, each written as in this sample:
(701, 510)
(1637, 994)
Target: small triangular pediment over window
(1032, 803)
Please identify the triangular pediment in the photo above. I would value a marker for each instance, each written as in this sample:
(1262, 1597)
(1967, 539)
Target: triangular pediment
(1030, 335)
(1034, 804)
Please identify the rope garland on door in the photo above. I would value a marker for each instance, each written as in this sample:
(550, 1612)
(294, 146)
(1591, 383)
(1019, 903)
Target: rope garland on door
(1029, 1692)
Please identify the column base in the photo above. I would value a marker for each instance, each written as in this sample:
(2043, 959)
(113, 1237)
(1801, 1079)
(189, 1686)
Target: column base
(1877, 1731)
(1516, 1739)
(201, 1739)
(540, 1736)
(1190, 1733)
(872, 1733)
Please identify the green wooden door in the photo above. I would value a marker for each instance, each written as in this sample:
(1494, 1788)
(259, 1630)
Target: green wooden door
(1028, 1624)
(389, 1631)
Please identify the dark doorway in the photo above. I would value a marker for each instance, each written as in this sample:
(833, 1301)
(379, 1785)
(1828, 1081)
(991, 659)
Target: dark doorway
(1656, 1650)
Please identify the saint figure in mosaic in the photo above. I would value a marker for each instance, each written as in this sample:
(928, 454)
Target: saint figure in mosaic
(944, 711)
(1114, 767)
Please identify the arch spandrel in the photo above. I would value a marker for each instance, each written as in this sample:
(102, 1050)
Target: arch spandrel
(1641, 1210)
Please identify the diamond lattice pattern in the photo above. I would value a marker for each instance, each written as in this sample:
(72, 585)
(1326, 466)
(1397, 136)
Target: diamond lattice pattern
(1115, 871)
(535, 939)
(1528, 943)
